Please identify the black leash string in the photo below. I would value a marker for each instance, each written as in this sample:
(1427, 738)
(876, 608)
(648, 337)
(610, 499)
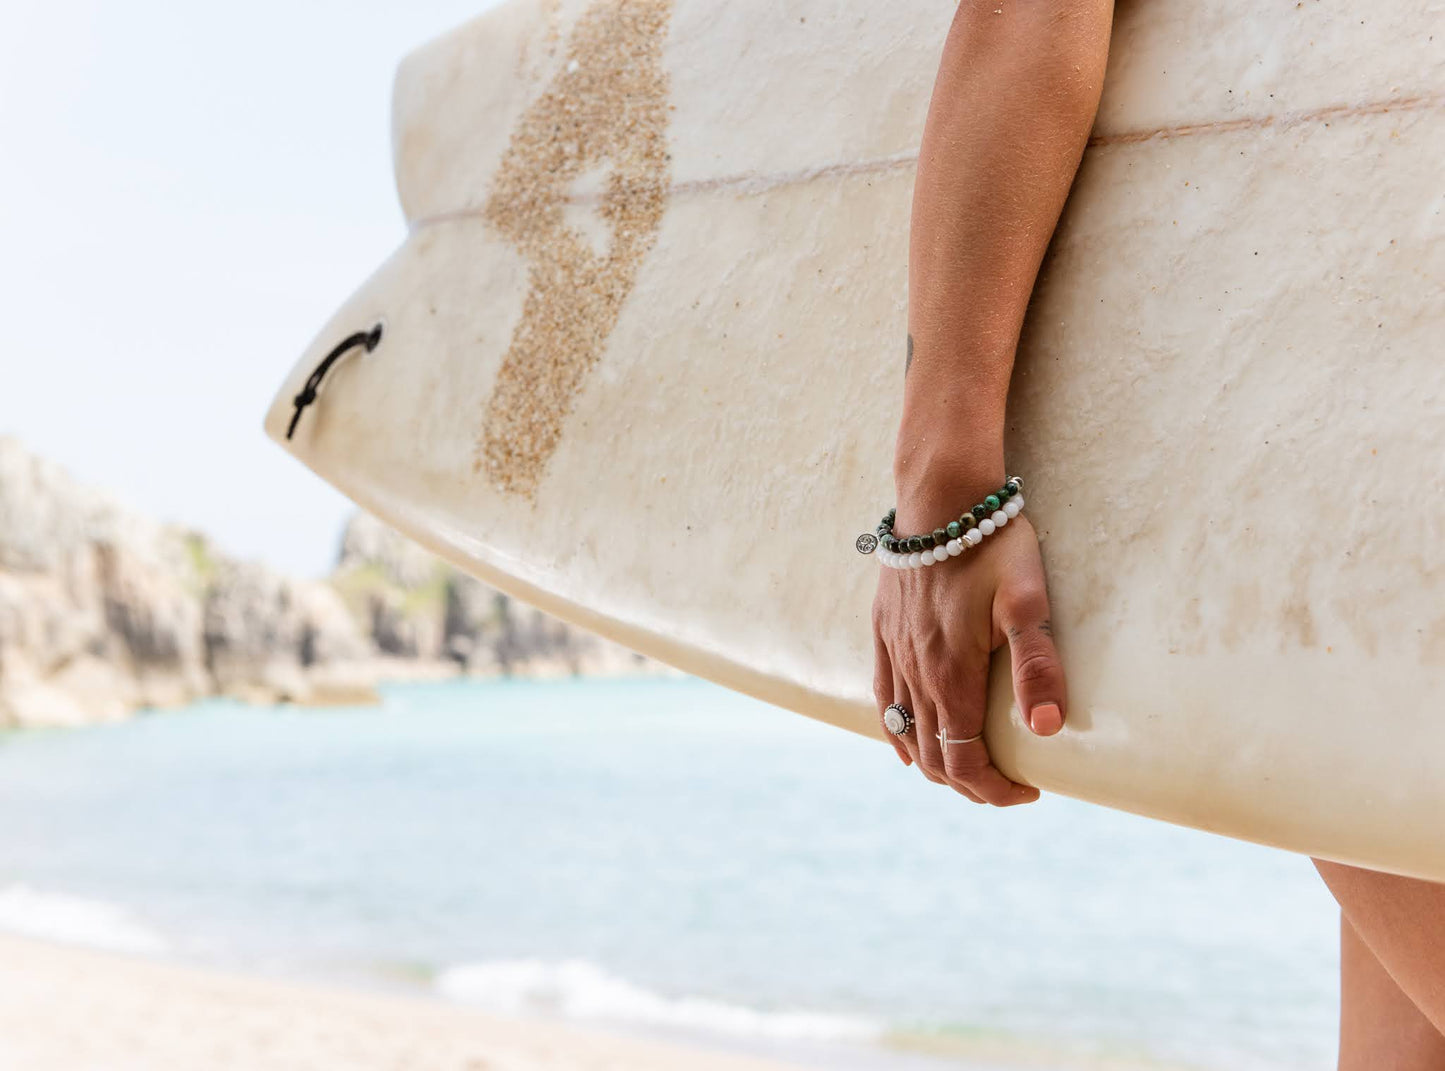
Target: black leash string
(369, 339)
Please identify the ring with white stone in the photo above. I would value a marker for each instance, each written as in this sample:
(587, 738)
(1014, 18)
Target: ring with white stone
(954, 547)
(896, 719)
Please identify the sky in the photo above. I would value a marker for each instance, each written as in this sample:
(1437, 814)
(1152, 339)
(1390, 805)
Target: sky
(187, 192)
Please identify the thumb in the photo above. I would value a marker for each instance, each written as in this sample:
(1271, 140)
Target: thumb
(1038, 675)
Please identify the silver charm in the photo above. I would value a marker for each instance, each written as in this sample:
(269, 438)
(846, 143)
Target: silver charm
(867, 543)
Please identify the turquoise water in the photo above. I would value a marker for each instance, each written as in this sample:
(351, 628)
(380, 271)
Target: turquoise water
(664, 855)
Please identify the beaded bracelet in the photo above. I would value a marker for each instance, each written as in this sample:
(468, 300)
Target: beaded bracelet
(952, 539)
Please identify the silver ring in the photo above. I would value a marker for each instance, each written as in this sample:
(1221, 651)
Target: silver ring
(896, 719)
(943, 739)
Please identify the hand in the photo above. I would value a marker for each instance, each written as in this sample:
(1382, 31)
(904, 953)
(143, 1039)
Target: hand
(933, 631)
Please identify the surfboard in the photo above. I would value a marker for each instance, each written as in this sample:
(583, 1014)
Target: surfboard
(639, 362)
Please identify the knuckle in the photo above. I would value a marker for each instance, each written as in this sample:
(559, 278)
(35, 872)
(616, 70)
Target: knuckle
(1026, 602)
(1037, 666)
(930, 765)
(933, 680)
(944, 676)
(968, 769)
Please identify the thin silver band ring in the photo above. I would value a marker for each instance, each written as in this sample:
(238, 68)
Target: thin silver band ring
(943, 739)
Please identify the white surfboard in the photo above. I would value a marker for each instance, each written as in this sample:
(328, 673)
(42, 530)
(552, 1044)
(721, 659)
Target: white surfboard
(641, 365)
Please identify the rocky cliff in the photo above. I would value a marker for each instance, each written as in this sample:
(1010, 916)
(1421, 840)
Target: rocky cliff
(103, 611)
(413, 606)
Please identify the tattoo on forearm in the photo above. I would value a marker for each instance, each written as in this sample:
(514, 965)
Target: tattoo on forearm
(908, 361)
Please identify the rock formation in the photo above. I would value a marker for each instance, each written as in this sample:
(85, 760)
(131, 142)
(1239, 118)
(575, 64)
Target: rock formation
(103, 611)
(416, 606)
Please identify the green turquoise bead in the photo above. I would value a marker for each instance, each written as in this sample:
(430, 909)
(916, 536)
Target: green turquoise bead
(992, 502)
(940, 537)
(954, 529)
(1005, 492)
(927, 541)
(967, 521)
(980, 512)
(915, 543)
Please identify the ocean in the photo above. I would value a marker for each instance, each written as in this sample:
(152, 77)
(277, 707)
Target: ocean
(660, 855)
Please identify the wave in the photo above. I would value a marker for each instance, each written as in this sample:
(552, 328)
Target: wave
(576, 989)
(48, 916)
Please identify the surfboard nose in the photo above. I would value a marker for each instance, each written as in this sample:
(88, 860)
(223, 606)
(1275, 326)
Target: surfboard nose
(355, 333)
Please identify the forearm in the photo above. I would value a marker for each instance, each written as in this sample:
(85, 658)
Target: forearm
(1012, 107)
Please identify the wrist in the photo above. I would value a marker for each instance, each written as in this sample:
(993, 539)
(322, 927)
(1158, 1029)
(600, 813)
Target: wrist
(939, 460)
(934, 487)
(948, 454)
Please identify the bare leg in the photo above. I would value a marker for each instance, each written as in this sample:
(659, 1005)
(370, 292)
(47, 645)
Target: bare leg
(1380, 1027)
(1402, 922)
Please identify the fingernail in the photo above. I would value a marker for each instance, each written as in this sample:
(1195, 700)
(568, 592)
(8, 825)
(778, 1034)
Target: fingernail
(1046, 719)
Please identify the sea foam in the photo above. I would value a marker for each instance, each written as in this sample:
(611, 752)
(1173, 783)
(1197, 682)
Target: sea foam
(51, 916)
(576, 989)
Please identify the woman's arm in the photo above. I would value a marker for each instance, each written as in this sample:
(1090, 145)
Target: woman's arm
(1012, 107)
(1015, 98)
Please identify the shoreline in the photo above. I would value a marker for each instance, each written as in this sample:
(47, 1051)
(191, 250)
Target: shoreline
(141, 1014)
(144, 1013)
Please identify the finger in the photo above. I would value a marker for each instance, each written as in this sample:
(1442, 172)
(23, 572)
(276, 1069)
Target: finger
(925, 738)
(931, 746)
(912, 738)
(1038, 674)
(883, 693)
(970, 765)
(901, 697)
(960, 704)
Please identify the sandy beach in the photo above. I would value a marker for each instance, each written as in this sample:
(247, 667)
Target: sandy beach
(67, 1009)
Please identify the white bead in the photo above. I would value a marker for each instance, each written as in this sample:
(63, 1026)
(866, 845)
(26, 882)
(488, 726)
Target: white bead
(999, 518)
(887, 558)
(1011, 508)
(986, 526)
(914, 560)
(955, 547)
(1018, 500)
(927, 558)
(939, 553)
(974, 536)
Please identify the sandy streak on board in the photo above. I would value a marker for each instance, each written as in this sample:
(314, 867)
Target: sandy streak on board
(607, 107)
